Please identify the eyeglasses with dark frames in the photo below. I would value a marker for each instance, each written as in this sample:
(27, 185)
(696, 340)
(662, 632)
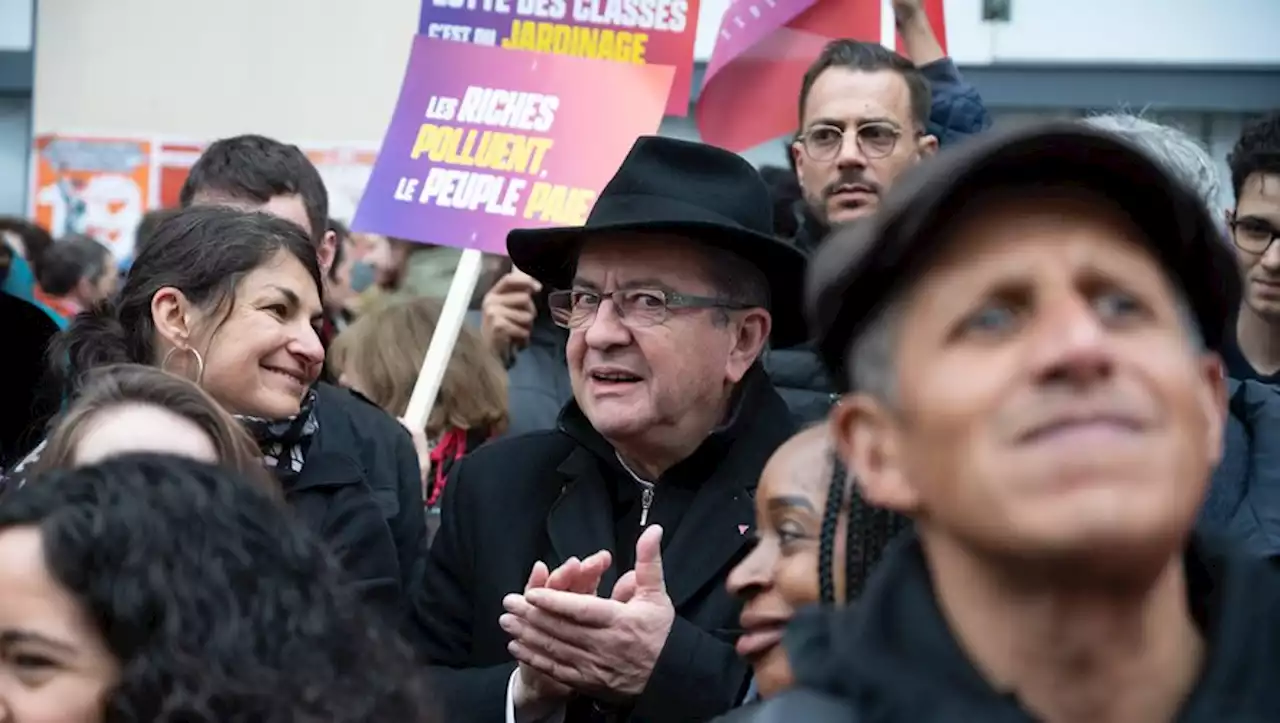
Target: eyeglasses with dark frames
(636, 308)
(1252, 235)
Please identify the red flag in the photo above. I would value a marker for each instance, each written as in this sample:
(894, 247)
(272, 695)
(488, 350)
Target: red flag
(751, 90)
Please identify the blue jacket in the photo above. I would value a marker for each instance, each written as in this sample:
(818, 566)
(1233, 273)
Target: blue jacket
(1244, 498)
(958, 111)
(21, 282)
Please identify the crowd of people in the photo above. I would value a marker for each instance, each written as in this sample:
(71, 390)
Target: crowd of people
(942, 422)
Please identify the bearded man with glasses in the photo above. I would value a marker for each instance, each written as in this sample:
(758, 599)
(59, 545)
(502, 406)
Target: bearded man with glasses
(864, 112)
(620, 526)
(866, 115)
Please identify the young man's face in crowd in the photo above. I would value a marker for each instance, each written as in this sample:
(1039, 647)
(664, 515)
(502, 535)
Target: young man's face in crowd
(1255, 223)
(1052, 401)
(842, 178)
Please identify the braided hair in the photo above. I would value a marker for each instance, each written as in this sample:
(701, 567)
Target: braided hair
(868, 532)
(827, 537)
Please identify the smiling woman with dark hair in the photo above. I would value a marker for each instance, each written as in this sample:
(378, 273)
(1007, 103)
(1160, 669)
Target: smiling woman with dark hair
(162, 589)
(229, 300)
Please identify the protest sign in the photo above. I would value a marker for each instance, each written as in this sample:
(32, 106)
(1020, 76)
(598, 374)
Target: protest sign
(762, 52)
(91, 185)
(484, 140)
(661, 32)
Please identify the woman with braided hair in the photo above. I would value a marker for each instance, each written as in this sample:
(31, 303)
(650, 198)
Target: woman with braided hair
(816, 542)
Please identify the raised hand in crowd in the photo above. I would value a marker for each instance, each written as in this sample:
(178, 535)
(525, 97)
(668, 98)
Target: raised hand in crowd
(508, 312)
(603, 648)
(921, 43)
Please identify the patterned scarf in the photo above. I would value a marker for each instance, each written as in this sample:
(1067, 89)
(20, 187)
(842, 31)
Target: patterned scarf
(284, 442)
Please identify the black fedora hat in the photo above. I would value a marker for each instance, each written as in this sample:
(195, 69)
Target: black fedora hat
(862, 267)
(671, 186)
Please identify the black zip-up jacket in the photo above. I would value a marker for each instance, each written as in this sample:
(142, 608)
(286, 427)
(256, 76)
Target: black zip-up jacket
(893, 659)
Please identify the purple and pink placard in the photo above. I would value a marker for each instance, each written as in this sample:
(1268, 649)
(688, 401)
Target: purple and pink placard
(662, 32)
(484, 140)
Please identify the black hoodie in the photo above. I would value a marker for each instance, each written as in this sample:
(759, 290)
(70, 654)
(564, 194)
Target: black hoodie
(893, 659)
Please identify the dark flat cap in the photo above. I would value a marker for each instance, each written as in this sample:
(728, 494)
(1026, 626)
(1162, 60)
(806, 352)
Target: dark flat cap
(862, 267)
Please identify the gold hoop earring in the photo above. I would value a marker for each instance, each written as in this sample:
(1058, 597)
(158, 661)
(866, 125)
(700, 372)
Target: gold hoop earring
(164, 364)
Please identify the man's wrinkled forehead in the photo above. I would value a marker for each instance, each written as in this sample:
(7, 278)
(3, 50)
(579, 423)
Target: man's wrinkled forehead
(1008, 236)
(289, 207)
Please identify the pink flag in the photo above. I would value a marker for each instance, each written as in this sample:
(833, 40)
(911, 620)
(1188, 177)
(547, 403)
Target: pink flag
(751, 89)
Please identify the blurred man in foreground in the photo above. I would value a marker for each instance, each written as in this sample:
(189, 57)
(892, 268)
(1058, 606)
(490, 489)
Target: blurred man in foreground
(1034, 381)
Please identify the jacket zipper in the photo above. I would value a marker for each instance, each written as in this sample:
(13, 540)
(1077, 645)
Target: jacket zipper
(646, 491)
(646, 501)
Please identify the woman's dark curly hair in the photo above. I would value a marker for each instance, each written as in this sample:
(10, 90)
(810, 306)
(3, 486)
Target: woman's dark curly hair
(216, 605)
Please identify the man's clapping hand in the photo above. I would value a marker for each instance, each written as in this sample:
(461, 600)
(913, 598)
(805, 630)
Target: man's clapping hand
(535, 693)
(604, 648)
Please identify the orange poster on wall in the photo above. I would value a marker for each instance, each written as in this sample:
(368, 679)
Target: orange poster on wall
(93, 186)
(102, 186)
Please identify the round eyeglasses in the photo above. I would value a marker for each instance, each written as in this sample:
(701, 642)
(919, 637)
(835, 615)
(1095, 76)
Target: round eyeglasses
(876, 140)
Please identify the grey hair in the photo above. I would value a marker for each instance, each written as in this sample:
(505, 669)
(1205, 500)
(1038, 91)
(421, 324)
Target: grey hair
(872, 353)
(1174, 149)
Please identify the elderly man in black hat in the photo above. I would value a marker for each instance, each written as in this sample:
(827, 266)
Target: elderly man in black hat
(580, 571)
(1029, 329)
